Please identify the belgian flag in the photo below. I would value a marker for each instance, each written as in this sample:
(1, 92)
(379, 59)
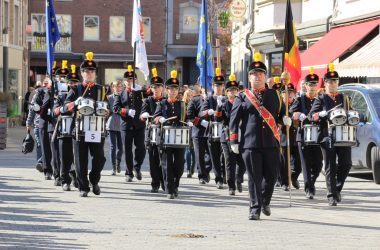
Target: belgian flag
(291, 56)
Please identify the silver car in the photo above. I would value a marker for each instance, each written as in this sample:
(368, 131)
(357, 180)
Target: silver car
(366, 100)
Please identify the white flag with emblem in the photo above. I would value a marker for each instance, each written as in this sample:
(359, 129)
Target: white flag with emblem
(138, 37)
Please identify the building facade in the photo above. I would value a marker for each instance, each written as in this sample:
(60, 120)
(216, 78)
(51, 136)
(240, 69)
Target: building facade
(13, 51)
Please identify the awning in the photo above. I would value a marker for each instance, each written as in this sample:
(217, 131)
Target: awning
(333, 45)
(364, 62)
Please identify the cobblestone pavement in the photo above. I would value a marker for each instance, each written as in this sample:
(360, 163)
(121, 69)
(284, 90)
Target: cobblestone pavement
(36, 215)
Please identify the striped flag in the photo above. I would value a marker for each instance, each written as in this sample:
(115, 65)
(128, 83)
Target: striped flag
(138, 38)
(291, 57)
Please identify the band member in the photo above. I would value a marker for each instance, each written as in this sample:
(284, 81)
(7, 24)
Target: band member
(65, 134)
(93, 142)
(222, 114)
(257, 113)
(296, 166)
(113, 128)
(128, 105)
(208, 114)
(310, 155)
(335, 174)
(147, 113)
(172, 112)
(277, 83)
(198, 134)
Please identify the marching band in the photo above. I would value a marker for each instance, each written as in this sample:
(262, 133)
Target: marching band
(238, 129)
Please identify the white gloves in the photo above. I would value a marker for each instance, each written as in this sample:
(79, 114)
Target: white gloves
(210, 112)
(76, 102)
(219, 101)
(145, 115)
(61, 110)
(190, 124)
(235, 148)
(131, 113)
(162, 120)
(36, 107)
(323, 113)
(204, 123)
(287, 121)
(302, 117)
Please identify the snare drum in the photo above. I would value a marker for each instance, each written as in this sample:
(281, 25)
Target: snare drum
(310, 134)
(154, 134)
(353, 117)
(216, 130)
(92, 123)
(101, 108)
(86, 106)
(344, 136)
(338, 116)
(176, 137)
(66, 126)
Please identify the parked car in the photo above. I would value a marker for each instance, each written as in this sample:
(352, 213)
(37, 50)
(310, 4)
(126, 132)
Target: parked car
(365, 98)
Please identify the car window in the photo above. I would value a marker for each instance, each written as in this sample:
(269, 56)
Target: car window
(375, 99)
(348, 93)
(359, 104)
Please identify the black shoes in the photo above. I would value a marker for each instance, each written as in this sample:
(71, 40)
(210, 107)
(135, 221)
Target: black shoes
(189, 174)
(138, 174)
(254, 217)
(47, 176)
(296, 184)
(219, 185)
(176, 192)
(201, 181)
(66, 187)
(266, 210)
(231, 191)
(154, 190)
(113, 170)
(96, 189)
(338, 197)
(285, 187)
(239, 187)
(128, 178)
(83, 194)
(332, 201)
(118, 168)
(57, 182)
(170, 196)
(39, 167)
(309, 195)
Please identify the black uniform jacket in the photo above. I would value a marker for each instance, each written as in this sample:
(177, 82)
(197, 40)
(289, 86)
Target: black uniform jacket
(193, 113)
(255, 133)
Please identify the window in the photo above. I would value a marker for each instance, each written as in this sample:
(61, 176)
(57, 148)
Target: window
(5, 27)
(147, 29)
(16, 37)
(91, 28)
(189, 17)
(117, 28)
(359, 104)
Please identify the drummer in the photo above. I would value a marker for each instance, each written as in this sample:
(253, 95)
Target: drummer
(234, 175)
(147, 111)
(310, 155)
(172, 112)
(336, 174)
(208, 113)
(85, 144)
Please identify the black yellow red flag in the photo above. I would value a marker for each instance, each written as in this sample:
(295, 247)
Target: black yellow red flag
(291, 56)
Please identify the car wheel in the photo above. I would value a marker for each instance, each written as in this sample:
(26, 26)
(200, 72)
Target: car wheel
(375, 163)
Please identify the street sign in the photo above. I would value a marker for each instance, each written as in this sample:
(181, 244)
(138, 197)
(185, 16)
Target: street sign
(238, 9)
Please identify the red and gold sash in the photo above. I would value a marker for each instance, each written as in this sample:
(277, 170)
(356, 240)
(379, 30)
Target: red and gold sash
(265, 114)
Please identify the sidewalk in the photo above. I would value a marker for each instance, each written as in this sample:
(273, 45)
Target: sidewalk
(36, 215)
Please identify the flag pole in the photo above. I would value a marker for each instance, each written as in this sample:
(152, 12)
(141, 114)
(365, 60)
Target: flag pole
(134, 62)
(205, 57)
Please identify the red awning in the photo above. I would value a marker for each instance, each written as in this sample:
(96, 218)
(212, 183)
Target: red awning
(333, 45)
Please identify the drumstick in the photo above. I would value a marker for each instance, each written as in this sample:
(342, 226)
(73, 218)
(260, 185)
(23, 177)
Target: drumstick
(334, 108)
(171, 118)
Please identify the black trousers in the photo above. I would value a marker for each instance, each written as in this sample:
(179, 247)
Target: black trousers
(66, 157)
(136, 137)
(97, 153)
(311, 162)
(261, 164)
(295, 168)
(215, 153)
(235, 172)
(54, 145)
(172, 161)
(46, 150)
(336, 174)
(155, 165)
(200, 145)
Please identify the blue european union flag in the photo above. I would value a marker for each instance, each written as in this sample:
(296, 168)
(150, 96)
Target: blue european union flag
(52, 34)
(204, 53)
